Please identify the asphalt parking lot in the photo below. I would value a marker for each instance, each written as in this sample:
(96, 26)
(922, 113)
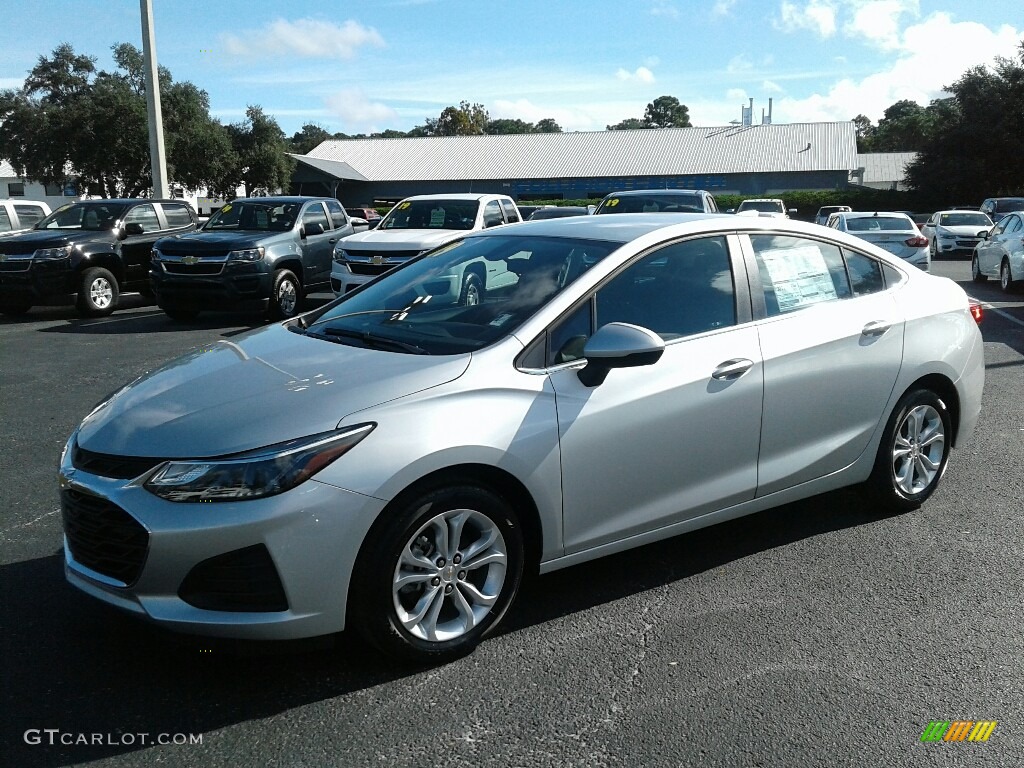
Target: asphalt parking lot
(817, 634)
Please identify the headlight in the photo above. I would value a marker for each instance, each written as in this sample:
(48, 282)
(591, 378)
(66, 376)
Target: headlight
(51, 254)
(254, 474)
(340, 254)
(155, 255)
(249, 254)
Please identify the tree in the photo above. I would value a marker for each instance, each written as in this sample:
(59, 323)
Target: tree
(666, 112)
(903, 128)
(504, 125)
(629, 124)
(864, 132)
(464, 120)
(309, 137)
(547, 125)
(260, 146)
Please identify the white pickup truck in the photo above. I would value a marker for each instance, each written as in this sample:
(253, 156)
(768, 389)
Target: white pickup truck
(19, 215)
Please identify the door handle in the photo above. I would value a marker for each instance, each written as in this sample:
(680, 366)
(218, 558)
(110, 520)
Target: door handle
(333, 240)
(732, 369)
(876, 328)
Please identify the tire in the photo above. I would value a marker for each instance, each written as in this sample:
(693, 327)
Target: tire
(14, 310)
(976, 273)
(439, 611)
(913, 453)
(1006, 280)
(97, 293)
(933, 252)
(285, 295)
(472, 290)
(181, 315)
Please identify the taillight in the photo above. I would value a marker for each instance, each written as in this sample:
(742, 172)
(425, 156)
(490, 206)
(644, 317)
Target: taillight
(917, 242)
(976, 311)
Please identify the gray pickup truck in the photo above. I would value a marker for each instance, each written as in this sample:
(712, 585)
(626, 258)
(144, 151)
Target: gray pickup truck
(259, 253)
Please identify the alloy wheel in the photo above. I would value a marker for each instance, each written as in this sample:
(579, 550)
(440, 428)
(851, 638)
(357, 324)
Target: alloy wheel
(918, 448)
(101, 293)
(287, 297)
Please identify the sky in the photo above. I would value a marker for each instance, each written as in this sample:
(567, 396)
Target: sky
(379, 64)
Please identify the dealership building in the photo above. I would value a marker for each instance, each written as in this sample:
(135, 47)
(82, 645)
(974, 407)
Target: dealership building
(749, 160)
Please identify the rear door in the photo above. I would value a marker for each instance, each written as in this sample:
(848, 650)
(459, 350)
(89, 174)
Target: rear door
(832, 344)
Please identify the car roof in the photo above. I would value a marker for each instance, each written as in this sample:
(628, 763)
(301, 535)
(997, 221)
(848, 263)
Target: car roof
(128, 200)
(762, 200)
(283, 199)
(959, 210)
(634, 192)
(456, 196)
(869, 214)
(621, 228)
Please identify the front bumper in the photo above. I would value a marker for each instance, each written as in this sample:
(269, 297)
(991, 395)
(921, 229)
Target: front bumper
(36, 282)
(964, 245)
(235, 288)
(311, 533)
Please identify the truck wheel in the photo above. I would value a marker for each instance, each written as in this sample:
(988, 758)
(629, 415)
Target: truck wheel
(97, 293)
(472, 290)
(285, 295)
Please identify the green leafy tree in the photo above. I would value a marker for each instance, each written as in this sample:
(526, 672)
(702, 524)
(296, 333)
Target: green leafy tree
(260, 147)
(666, 112)
(629, 124)
(864, 131)
(547, 125)
(903, 128)
(464, 120)
(504, 125)
(308, 138)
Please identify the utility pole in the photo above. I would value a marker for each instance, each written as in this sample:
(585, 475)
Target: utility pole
(157, 158)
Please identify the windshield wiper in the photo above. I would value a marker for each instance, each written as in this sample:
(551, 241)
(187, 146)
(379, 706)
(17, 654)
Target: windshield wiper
(380, 342)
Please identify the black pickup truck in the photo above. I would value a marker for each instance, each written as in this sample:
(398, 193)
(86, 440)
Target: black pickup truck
(89, 251)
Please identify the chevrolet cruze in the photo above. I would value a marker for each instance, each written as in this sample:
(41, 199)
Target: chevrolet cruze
(397, 460)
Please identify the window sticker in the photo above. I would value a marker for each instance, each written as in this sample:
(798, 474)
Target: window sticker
(800, 276)
(226, 208)
(403, 206)
(437, 217)
(501, 319)
(612, 203)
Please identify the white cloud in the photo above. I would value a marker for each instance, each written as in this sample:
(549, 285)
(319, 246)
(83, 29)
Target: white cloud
(652, 61)
(722, 7)
(307, 38)
(771, 87)
(640, 75)
(878, 21)
(358, 113)
(818, 16)
(664, 8)
(736, 94)
(738, 64)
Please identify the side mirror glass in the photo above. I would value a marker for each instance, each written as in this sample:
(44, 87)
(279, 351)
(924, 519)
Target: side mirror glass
(134, 228)
(311, 229)
(983, 234)
(618, 345)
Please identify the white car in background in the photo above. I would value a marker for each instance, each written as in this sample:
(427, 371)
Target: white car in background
(954, 231)
(894, 232)
(769, 207)
(419, 224)
(1001, 253)
(21, 215)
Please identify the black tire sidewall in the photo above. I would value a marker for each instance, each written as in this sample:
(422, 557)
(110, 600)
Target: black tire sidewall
(882, 483)
(373, 607)
(976, 273)
(275, 307)
(471, 278)
(85, 303)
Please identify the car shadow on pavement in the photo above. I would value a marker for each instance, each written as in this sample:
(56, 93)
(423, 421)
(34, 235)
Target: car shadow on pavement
(74, 664)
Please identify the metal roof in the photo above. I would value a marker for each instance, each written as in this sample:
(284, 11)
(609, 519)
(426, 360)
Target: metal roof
(337, 169)
(772, 148)
(884, 166)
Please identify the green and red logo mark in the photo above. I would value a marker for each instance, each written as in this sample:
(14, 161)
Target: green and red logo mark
(958, 730)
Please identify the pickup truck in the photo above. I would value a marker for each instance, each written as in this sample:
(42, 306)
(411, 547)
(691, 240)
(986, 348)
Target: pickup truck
(257, 253)
(19, 215)
(419, 224)
(90, 251)
(767, 207)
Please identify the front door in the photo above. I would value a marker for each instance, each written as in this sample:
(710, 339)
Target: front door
(317, 249)
(137, 247)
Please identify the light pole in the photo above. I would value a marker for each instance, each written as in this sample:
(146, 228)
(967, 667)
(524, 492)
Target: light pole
(157, 158)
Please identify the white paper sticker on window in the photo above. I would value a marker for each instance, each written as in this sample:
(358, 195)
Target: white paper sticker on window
(800, 276)
(437, 217)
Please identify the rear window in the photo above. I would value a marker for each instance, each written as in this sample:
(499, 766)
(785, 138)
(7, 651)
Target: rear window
(880, 224)
(5, 221)
(29, 215)
(177, 215)
(1010, 204)
(652, 204)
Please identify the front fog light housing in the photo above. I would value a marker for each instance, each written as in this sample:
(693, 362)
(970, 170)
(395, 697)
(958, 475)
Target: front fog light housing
(249, 254)
(253, 474)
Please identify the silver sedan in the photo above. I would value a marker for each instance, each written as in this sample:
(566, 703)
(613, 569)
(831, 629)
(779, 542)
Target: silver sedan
(1000, 253)
(395, 461)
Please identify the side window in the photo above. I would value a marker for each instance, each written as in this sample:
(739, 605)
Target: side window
(5, 220)
(797, 272)
(865, 273)
(337, 214)
(999, 228)
(144, 215)
(833, 221)
(29, 215)
(314, 214)
(567, 339)
(177, 215)
(712, 205)
(510, 211)
(492, 214)
(679, 290)
(1013, 225)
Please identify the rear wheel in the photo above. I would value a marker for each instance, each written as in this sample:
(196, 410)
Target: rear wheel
(1006, 280)
(439, 575)
(285, 295)
(913, 453)
(97, 293)
(976, 273)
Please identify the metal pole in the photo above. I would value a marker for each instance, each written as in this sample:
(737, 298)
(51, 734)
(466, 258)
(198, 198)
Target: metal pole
(157, 158)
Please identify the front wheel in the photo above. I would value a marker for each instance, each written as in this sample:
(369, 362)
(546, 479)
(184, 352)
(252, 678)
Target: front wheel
(97, 293)
(913, 453)
(285, 295)
(1006, 281)
(439, 575)
(932, 250)
(472, 290)
(976, 274)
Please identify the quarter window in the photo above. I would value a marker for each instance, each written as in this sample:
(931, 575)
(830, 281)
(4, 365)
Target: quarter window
(315, 215)
(865, 274)
(177, 215)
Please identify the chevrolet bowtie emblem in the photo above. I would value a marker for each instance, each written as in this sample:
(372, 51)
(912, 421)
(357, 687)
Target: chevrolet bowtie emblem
(3, 258)
(377, 259)
(190, 260)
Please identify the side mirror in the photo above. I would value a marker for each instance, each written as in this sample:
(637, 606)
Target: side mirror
(618, 345)
(792, 210)
(492, 223)
(311, 229)
(134, 228)
(983, 234)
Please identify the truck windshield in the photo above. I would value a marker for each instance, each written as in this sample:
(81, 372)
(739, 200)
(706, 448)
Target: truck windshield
(431, 214)
(247, 215)
(94, 217)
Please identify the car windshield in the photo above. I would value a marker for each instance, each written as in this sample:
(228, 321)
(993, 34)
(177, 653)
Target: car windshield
(765, 206)
(431, 214)
(424, 308)
(964, 220)
(93, 217)
(270, 216)
(652, 204)
(879, 224)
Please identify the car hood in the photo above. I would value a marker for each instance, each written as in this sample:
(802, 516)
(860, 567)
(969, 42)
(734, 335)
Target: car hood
(270, 386)
(33, 239)
(231, 240)
(970, 230)
(401, 239)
